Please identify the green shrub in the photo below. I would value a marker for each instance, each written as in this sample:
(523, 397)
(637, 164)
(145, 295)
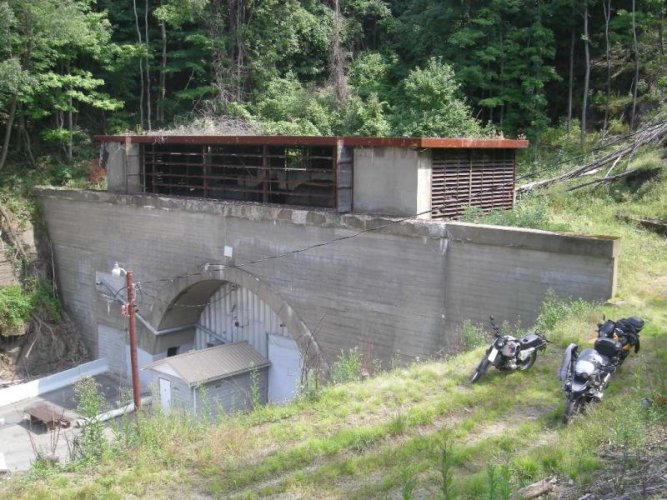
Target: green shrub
(472, 335)
(347, 367)
(15, 308)
(18, 303)
(555, 309)
(90, 445)
(531, 212)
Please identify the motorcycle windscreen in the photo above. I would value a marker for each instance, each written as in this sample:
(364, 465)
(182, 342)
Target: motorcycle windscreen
(567, 362)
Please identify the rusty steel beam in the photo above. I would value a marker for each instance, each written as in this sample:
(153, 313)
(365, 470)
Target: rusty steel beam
(284, 140)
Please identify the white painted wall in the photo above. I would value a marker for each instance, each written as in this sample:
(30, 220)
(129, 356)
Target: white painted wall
(50, 383)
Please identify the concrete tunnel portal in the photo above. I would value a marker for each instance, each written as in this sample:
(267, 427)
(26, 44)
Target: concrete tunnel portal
(226, 305)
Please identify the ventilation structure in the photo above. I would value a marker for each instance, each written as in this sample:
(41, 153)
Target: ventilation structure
(311, 176)
(481, 178)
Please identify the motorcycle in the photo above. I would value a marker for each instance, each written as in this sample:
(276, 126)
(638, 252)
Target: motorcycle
(585, 376)
(509, 353)
(626, 331)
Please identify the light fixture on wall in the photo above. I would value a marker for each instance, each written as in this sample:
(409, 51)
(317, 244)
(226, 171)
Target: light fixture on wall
(129, 311)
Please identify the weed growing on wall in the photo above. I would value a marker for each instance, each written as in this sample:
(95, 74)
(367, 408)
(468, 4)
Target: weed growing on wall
(472, 335)
(555, 309)
(347, 366)
(255, 389)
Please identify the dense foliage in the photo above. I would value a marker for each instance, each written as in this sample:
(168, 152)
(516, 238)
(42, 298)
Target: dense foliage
(69, 68)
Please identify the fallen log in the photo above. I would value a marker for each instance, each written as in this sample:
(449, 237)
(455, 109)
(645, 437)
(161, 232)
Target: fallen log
(655, 225)
(537, 489)
(650, 134)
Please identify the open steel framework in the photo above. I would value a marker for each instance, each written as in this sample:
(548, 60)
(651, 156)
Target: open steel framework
(292, 175)
(318, 171)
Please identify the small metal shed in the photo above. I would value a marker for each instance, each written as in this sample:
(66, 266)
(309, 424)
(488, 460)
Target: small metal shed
(225, 378)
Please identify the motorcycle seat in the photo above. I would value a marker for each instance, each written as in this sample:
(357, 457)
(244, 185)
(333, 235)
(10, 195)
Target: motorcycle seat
(531, 340)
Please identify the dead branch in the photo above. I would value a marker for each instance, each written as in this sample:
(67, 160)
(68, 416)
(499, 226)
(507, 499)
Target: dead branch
(650, 134)
(605, 180)
(537, 489)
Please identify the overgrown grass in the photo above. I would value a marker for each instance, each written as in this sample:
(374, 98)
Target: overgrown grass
(384, 436)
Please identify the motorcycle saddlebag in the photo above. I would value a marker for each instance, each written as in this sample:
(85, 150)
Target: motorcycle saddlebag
(608, 347)
(531, 340)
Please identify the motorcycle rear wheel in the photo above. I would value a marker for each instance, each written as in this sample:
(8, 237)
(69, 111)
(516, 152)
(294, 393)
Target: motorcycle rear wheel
(480, 370)
(572, 407)
(529, 362)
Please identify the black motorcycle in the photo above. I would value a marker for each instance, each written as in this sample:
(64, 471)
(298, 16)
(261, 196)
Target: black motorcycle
(509, 353)
(585, 376)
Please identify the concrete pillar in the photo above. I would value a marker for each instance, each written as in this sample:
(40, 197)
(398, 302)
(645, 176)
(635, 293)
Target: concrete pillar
(123, 164)
(392, 181)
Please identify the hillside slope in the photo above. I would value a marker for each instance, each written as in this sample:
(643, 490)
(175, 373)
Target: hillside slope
(423, 430)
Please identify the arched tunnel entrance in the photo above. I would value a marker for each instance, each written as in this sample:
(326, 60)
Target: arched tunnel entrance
(236, 314)
(228, 306)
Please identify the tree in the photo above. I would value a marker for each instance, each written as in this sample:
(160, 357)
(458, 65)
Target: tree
(44, 42)
(431, 104)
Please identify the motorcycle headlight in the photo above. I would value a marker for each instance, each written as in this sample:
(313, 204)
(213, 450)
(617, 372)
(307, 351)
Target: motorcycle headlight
(584, 369)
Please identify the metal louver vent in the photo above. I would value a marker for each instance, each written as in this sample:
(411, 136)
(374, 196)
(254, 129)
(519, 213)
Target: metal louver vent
(476, 177)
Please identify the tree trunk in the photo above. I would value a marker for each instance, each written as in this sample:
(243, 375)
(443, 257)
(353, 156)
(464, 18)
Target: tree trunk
(587, 77)
(570, 87)
(239, 46)
(163, 70)
(338, 60)
(8, 130)
(148, 71)
(141, 67)
(606, 7)
(23, 131)
(70, 126)
(635, 49)
(661, 43)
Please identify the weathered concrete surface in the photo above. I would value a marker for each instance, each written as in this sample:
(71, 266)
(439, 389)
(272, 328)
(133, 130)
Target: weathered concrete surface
(394, 287)
(392, 181)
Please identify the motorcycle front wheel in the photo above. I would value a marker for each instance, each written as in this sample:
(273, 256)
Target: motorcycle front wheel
(529, 362)
(572, 407)
(480, 370)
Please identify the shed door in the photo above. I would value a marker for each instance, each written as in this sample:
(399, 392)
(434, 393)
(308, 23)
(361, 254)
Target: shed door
(165, 394)
(285, 370)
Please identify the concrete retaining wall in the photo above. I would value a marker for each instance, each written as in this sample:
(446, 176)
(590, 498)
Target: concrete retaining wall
(387, 287)
(15, 393)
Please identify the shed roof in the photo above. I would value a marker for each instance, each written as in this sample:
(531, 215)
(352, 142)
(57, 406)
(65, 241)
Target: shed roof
(214, 363)
(352, 141)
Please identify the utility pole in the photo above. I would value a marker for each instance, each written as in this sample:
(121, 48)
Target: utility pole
(136, 389)
(130, 313)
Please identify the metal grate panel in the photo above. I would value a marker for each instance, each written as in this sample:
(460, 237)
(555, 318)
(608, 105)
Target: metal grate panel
(291, 175)
(471, 177)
